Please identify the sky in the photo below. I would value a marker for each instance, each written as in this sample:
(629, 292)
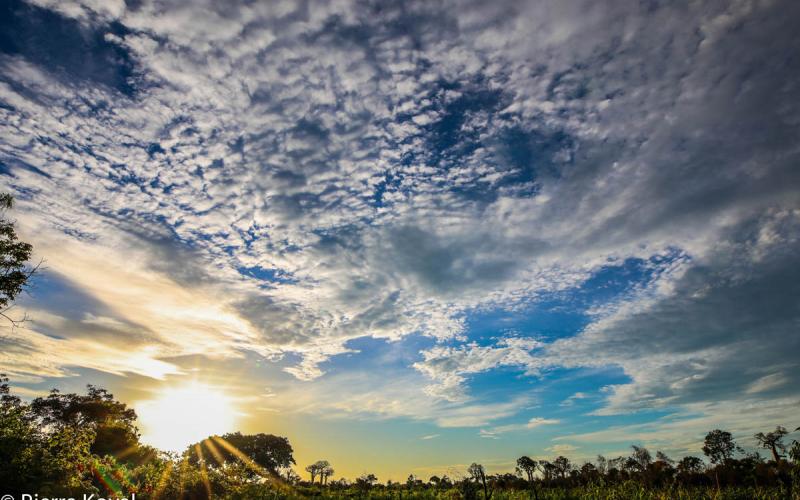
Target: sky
(414, 235)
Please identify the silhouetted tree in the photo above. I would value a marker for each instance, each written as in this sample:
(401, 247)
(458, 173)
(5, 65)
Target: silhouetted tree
(478, 474)
(291, 476)
(719, 447)
(562, 466)
(312, 470)
(689, 464)
(641, 458)
(589, 473)
(773, 441)
(528, 466)
(794, 451)
(662, 457)
(602, 464)
(325, 471)
(548, 470)
(365, 482)
(319, 468)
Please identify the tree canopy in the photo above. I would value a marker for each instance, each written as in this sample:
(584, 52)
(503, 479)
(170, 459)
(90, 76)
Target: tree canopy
(14, 256)
(264, 453)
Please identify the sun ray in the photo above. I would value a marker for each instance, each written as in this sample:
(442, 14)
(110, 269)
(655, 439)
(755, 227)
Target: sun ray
(203, 471)
(214, 450)
(162, 481)
(244, 458)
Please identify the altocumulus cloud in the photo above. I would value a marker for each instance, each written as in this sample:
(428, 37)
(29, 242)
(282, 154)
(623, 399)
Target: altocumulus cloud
(283, 178)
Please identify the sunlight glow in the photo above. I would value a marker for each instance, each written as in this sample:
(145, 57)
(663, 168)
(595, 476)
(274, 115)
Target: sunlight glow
(186, 414)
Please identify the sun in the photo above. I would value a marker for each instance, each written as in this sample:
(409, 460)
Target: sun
(186, 414)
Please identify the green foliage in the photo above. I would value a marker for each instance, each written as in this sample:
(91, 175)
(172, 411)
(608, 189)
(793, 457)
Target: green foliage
(112, 422)
(55, 459)
(14, 255)
(264, 452)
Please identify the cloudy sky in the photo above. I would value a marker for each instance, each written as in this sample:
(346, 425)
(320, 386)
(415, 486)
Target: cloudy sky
(413, 235)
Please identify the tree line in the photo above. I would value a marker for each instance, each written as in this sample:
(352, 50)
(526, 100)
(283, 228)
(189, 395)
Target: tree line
(75, 443)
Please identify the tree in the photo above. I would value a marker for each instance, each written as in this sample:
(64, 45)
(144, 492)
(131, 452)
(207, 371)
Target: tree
(321, 468)
(719, 447)
(662, 457)
(325, 471)
(794, 451)
(14, 256)
(773, 441)
(528, 466)
(291, 476)
(54, 458)
(113, 423)
(690, 465)
(412, 482)
(365, 481)
(478, 474)
(588, 472)
(548, 469)
(641, 457)
(562, 466)
(602, 464)
(261, 454)
(312, 470)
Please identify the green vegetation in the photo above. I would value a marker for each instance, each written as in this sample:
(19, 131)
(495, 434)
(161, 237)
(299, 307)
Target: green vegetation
(71, 444)
(14, 255)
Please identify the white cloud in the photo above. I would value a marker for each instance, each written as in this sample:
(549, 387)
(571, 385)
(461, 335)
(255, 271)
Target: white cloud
(533, 423)
(570, 401)
(272, 137)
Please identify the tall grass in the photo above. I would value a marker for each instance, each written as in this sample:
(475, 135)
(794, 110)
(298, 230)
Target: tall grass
(625, 491)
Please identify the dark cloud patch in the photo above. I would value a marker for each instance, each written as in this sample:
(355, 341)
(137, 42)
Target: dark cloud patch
(725, 326)
(528, 155)
(568, 85)
(289, 179)
(447, 264)
(7, 169)
(66, 47)
(380, 24)
(284, 323)
(82, 315)
(65, 297)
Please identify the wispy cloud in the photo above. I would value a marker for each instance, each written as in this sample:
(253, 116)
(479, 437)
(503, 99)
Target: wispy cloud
(570, 401)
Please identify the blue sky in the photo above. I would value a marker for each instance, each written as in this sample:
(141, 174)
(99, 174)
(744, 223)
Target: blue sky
(468, 230)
